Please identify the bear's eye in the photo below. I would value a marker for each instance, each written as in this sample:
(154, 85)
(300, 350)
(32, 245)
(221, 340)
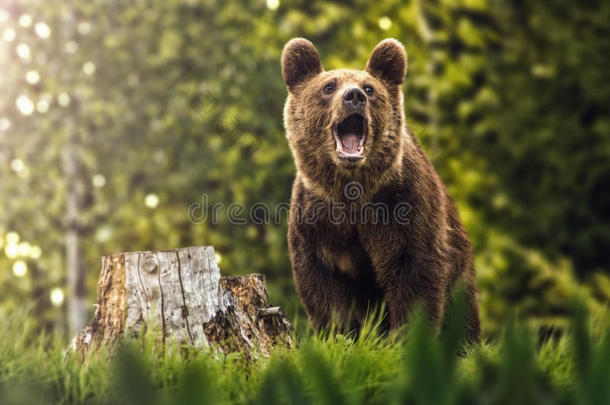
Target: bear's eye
(329, 88)
(369, 90)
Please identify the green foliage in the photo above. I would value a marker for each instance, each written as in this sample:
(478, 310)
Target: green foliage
(168, 103)
(421, 368)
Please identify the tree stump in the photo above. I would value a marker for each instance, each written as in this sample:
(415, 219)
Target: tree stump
(180, 295)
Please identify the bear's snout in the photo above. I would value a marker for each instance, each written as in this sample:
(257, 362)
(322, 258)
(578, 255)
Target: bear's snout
(354, 98)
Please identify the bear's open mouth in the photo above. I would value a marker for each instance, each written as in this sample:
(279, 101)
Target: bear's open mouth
(350, 135)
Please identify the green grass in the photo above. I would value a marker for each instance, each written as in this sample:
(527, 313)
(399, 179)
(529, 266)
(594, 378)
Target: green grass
(413, 368)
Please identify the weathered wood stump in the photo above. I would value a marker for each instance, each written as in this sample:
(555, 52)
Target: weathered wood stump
(180, 294)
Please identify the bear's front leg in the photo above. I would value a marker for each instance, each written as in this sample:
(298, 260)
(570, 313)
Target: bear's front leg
(327, 295)
(408, 281)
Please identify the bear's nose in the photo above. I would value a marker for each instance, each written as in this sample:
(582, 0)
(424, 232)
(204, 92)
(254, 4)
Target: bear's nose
(354, 98)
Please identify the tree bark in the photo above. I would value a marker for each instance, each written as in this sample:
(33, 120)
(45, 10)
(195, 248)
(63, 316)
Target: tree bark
(180, 296)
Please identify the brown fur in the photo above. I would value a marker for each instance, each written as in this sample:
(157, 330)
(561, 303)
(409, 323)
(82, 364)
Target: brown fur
(342, 268)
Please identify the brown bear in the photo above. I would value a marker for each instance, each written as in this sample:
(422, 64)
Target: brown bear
(370, 220)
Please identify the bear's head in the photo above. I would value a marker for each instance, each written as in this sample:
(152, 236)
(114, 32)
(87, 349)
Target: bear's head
(344, 124)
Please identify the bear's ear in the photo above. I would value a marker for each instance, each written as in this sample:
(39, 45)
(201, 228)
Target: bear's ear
(300, 61)
(388, 62)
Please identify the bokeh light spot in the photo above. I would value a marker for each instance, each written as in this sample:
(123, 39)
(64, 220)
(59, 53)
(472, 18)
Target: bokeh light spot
(42, 106)
(19, 168)
(25, 20)
(23, 51)
(57, 296)
(20, 268)
(25, 105)
(11, 251)
(84, 28)
(5, 124)
(104, 234)
(24, 249)
(12, 238)
(35, 252)
(99, 181)
(16, 165)
(385, 23)
(71, 47)
(32, 77)
(42, 30)
(273, 4)
(151, 201)
(9, 35)
(89, 68)
(63, 99)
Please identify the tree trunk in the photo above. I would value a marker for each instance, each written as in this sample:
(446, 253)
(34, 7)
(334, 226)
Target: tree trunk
(77, 312)
(179, 295)
(72, 166)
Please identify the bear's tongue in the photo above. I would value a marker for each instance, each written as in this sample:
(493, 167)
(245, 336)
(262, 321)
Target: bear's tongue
(350, 143)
